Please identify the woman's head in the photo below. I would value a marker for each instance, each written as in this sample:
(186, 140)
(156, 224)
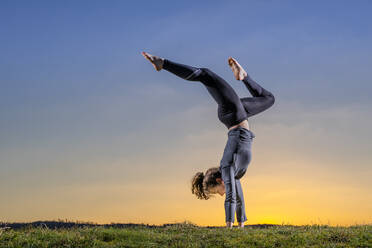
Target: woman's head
(203, 185)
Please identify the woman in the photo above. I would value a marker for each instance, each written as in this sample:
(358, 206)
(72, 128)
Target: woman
(233, 112)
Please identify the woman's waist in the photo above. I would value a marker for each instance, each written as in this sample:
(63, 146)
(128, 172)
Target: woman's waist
(234, 119)
(243, 124)
(240, 129)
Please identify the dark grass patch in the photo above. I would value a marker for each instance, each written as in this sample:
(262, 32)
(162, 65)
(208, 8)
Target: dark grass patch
(186, 235)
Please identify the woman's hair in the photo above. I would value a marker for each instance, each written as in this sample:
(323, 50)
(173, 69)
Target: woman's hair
(201, 183)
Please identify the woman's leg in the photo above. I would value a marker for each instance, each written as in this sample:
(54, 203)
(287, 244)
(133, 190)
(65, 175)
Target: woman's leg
(230, 108)
(255, 89)
(219, 89)
(183, 71)
(262, 99)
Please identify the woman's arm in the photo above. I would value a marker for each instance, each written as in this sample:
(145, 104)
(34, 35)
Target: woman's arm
(240, 205)
(228, 176)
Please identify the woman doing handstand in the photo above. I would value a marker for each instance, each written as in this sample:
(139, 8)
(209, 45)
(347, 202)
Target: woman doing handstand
(233, 112)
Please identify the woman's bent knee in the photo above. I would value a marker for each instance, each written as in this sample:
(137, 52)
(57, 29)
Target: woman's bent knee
(206, 72)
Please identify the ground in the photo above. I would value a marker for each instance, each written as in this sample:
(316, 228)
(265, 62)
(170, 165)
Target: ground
(186, 235)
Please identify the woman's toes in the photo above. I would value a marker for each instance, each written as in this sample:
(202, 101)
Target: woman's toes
(231, 61)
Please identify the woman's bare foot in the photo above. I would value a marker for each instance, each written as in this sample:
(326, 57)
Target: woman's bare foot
(237, 69)
(156, 61)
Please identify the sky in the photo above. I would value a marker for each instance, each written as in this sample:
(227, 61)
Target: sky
(89, 131)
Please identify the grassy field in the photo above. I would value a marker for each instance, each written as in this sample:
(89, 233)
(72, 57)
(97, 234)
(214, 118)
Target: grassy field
(188, 235)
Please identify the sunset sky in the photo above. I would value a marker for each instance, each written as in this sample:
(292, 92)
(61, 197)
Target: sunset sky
(89, 131)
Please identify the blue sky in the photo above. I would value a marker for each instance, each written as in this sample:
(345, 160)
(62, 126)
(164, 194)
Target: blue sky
(80, 106)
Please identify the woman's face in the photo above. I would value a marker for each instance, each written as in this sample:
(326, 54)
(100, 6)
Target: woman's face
(219, 189)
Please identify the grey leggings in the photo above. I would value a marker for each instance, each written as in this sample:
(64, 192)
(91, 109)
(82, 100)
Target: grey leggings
(234, 163)
(231, 109)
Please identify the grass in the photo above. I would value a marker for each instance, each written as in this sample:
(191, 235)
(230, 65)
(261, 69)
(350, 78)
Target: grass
(188, 235)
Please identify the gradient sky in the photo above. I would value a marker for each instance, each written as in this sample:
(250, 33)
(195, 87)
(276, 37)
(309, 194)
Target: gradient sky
(90, 131)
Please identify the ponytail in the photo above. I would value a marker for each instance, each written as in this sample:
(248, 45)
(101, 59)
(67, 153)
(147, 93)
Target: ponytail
(197, 186)
(201, 183)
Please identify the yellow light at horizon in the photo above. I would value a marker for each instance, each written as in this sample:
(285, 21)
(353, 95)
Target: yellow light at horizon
(282, 196)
